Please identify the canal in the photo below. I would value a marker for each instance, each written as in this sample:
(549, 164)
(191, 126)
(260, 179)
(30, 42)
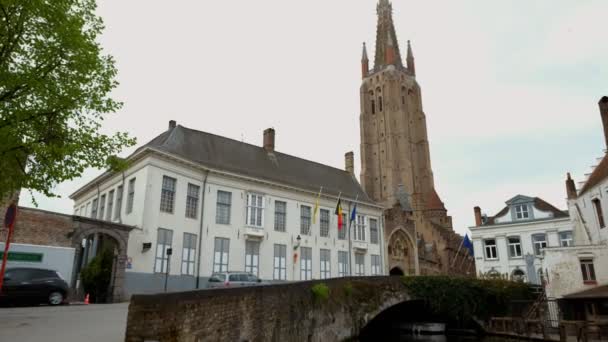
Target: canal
(441, 338)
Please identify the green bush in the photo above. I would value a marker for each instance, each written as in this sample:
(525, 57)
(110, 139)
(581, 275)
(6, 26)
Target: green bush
(320, 291)
(461, 299)
(97, 274)
(348, 289)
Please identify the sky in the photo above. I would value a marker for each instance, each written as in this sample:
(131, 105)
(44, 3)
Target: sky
(509, 89)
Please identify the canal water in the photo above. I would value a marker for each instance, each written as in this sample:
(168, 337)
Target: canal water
(445, 338)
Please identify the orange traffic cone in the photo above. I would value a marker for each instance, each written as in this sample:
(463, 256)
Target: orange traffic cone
(86, 299)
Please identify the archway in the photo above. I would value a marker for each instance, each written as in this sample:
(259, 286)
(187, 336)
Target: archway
(396, 271)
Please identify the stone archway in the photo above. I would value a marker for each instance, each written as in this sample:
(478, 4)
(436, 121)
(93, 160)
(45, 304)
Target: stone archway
(396, 271)
(401, 252)
(119, 233)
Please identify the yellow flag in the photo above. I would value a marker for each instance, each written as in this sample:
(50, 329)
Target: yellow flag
(316, 209)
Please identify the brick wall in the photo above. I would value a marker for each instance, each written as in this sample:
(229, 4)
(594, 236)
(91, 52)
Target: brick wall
(286, 312)
(39, 227)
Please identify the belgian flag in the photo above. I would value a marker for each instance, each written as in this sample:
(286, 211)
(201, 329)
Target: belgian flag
(339, 213)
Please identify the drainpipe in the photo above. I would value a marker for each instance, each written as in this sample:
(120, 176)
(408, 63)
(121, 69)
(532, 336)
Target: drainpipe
(122, 199)
(200, 231)
(381, 237)
(350, 244)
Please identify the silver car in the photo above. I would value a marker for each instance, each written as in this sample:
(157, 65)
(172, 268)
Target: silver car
(233, 279)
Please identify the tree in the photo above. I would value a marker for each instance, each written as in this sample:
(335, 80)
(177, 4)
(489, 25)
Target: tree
(55, 85)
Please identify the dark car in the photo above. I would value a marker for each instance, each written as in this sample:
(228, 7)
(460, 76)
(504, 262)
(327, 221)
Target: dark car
(33, 286)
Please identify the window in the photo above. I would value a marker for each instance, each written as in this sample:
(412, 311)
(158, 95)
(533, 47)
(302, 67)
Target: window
(280, 262)
(360, 228)
(110, 205)
(76, 211)
(376, 265)
(598, 211)
(565, 239)
(373, 231)
(540, 242)
(87, 211)
(306, 263)
(521, 211)
(325, 257)
(224, 202)
(343, 270)
(164, 238)
(252, 256)
(588, 271)
(380, 103)
(359, 264)
(373, 107)
(280, 215)
(118, 202)
(131, 196)
(94, 209)
(304, 220)
(490, 247)
(220, 255)
(324, 222)
(167, 195)
(102, 207)
(188, 254)
(514, 246)
(342, 232)
(192, 201)
(255, 210)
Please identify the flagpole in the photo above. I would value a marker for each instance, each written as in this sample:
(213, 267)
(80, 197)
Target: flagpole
(457, 253)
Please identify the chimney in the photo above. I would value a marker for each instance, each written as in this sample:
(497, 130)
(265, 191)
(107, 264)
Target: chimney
(477, 216)
(172, 124)
(570, 187)
(604, 113)
(269, 140)
(349, 163)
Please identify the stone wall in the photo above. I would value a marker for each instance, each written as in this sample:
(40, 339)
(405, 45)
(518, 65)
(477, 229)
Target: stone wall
(39, 227)
(285, 312)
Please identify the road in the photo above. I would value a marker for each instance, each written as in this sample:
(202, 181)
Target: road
(90, 323)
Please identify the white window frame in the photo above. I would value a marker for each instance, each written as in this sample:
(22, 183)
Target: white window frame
(110, 207)
(94, 207)
(280, 216)
(376, 265)
(325, 263)
(305, 219)
(280, 262)
(167, 194)
(522, 212)
(359, 264)
(569, 240)
(252, 257)
(131, 195)
(324, 218)
(189, 254)
(306, 263)
(343, 269)
(102, 207)
(255, 210)
(161, 259)
(360, 228)
(374, 235)
(192, 196)
(119, 193)
(538, 245)
(488, 249)
(221, 255)
(227, 205)
(588, 270)
(514, 247)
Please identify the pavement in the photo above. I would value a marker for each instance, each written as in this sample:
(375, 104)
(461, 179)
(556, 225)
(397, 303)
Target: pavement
(90, 323)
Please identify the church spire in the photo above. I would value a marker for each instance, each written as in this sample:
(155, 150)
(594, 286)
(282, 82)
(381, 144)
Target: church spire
(364, 62)
(411, 66)
(385, 37)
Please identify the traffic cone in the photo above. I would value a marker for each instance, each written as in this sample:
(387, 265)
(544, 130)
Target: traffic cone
(86, 299)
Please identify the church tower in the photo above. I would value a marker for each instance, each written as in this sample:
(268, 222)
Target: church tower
(394, 144)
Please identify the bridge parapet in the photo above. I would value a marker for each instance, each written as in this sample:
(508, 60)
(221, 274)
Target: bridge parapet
(281, 312)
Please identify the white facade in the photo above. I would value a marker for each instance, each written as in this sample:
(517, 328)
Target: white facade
(216, 243)
(584, 266)
(512, 243)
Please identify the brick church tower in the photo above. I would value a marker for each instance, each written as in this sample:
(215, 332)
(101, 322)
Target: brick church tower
(396, 163)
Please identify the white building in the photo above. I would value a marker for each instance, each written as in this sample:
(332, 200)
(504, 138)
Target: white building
(511, 243)
(221, 204)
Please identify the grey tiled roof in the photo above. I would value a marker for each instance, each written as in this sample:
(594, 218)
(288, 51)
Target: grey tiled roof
(230, 155)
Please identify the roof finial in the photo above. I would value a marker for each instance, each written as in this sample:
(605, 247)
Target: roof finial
(411, 66)
(364, 56)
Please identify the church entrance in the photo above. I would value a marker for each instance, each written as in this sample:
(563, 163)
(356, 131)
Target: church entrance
(396, 271)
(401, 253)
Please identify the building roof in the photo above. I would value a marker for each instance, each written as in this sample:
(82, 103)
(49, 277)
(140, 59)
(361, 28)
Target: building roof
(596, 292)
(433, 201)
(538, 203)
(230, 155)
(599, 174)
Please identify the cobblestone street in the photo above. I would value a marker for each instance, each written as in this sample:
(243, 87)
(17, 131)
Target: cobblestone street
(90, 323)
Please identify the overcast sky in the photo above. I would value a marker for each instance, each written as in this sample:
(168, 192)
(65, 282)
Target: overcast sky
(509, 88)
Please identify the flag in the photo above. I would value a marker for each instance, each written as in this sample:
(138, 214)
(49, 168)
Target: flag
(468, 245)
(339, 213)
(316, 209)
(353, 214)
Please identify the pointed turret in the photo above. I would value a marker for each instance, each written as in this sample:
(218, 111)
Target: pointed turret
(385, 33)
(411, 66)
(364, 62)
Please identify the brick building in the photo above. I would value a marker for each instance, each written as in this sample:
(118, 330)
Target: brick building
(396, 164)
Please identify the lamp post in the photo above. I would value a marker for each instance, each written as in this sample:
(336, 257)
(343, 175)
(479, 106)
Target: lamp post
(169, 252)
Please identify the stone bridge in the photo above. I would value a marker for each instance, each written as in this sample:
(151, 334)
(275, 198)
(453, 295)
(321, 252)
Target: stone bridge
(281, 312)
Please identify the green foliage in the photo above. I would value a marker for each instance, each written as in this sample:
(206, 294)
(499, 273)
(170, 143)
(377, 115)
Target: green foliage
(97, 274)
(55, 86)
(348, 289)
(320, 291)
(461, 299)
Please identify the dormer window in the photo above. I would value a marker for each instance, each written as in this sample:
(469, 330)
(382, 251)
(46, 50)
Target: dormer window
(521, 212)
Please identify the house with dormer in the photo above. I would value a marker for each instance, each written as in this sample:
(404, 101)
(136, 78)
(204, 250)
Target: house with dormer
(511, 243)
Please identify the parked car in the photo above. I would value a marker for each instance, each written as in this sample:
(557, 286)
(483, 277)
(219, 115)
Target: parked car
(233, 279)
(33, 286)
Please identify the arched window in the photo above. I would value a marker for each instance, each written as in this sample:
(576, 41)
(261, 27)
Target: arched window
(380, 103)
(519, 275)
(373, 102)
(403, 92)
